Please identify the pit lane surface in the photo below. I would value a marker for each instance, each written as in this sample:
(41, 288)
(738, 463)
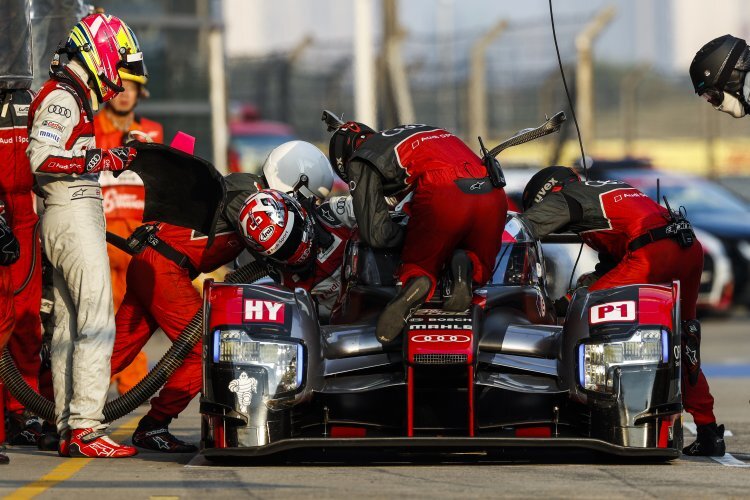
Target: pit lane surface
(726, 356)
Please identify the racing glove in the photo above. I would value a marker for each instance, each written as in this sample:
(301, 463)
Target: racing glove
(691, 348)
(112, 160)
(561, 306)
(9, 248)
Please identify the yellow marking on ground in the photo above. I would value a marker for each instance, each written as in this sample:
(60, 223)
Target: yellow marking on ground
(67, 469)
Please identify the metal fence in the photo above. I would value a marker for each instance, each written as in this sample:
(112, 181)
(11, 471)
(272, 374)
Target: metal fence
(523, 84)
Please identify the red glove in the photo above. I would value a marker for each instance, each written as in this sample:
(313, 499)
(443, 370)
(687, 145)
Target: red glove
(113, 159)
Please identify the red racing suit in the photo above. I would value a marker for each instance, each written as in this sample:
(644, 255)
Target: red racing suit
(160, 293)
(323, 278)
(609, 215)
(454, 206)
(16, 182)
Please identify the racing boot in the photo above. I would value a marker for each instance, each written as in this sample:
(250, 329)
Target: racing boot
(50, 439)
(709, 443)
(90, 443)
(63, 445)
(691, 347)
(460, 296)
(153, 434)
(24, 429)
(393, 318)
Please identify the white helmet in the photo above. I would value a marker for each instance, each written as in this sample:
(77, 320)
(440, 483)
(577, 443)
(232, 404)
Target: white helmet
(288, 162)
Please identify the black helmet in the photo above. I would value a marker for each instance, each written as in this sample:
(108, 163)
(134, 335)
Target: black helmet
(343, 143)
(546, 181)
(713, 67)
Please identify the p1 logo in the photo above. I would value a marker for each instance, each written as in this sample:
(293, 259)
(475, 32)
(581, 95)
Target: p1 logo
(613, 312)
(263, 311)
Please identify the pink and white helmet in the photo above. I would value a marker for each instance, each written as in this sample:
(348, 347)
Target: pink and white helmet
(104, 44)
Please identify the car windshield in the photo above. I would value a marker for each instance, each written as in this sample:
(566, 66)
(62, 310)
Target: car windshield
(698, 197)
(252, 150)
(517, 263)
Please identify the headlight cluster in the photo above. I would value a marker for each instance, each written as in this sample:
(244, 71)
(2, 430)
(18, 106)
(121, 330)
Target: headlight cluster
(281, 359)
(597, 361)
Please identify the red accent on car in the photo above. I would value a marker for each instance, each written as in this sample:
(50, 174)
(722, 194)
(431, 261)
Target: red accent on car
(225, 304)
(655, 304)
(534, 432)
(219, 437)
(508, 238)
(338, 431)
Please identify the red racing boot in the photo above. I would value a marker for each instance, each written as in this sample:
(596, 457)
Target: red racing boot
(95, 444)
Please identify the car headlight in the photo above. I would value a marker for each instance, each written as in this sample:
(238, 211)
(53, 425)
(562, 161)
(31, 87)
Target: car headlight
(597, 360)
(282, 360)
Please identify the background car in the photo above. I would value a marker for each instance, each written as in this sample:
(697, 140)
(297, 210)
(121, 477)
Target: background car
(251, 139)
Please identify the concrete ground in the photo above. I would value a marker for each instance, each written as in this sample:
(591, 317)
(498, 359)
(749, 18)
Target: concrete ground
(726, 356)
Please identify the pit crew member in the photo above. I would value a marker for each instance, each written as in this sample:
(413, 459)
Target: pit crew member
(159, 289)
(454, 206)
(9, 253)
(124, 195)
(66, 162)
(719, 74)
(638, 242)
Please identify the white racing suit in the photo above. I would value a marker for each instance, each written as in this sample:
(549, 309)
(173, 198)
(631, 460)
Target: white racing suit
(73, 235)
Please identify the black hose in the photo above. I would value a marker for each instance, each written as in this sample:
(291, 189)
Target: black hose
(151, 383)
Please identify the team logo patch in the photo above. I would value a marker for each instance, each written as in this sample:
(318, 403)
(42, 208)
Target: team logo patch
(59, 110)
(21, 109)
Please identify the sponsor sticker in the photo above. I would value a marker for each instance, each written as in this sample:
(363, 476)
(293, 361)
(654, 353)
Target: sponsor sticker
(53, 125)
(264, 311)
(21, 109)
(266, 233)
(623, 311)
(244, 386)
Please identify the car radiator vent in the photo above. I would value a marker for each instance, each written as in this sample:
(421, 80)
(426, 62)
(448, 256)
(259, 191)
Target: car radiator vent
(440, 359)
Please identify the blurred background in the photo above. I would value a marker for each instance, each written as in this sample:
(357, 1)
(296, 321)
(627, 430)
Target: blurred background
(472, 66)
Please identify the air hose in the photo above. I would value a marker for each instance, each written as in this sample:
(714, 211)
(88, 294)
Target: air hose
(151, 383)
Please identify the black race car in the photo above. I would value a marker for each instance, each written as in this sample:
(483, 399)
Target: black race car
(501, 375)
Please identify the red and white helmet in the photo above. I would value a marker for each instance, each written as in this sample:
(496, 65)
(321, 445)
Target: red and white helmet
(104, 44)
(275, 225)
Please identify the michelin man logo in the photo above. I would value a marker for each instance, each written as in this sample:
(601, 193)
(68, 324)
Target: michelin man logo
(245, 387)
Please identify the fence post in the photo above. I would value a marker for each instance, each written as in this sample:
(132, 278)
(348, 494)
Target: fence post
(477, 93)
(629, 106)
(585, 72)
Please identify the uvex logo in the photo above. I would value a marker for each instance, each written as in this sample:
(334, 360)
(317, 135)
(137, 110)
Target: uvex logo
(264, 311)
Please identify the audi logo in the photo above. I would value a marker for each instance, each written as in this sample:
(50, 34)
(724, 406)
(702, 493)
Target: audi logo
(59, 110)
(441, 338)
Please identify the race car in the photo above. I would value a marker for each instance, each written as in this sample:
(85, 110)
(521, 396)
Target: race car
(501, 375)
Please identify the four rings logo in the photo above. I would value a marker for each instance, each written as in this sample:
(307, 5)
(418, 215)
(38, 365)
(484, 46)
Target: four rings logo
(93, 162)
(441, 338)
(59, 110)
